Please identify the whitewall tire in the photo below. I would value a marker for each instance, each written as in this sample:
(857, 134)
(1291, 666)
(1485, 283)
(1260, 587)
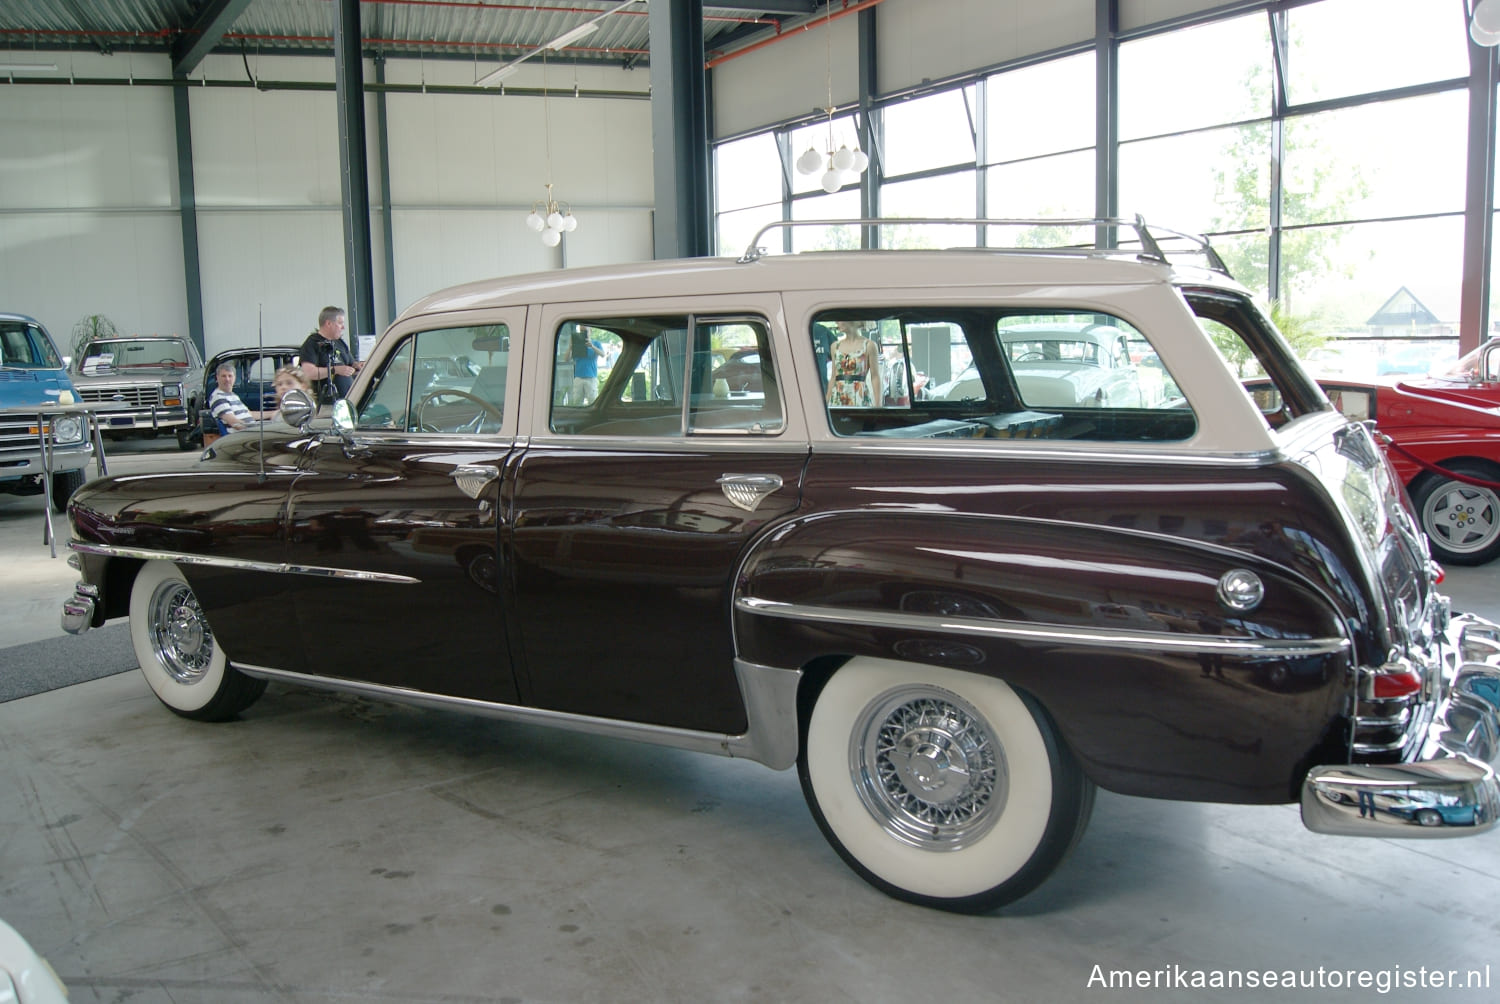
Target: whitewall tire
(941, 787)
(179, 657)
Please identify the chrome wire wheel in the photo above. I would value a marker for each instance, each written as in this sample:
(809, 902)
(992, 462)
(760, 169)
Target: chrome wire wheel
(928, 767)
(939, 786)
(179, 656)
(180, 635)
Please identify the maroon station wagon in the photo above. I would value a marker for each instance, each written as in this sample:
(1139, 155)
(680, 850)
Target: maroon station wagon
(956, 615)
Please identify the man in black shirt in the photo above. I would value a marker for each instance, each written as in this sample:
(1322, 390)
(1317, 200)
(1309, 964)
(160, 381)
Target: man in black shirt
(326, 359)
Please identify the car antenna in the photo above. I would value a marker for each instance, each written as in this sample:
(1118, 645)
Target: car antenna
(260, 348)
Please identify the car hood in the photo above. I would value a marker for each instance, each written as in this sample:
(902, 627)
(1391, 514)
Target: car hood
(21, 387)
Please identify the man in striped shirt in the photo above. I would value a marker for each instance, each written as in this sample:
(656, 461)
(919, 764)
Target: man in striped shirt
(225, 405)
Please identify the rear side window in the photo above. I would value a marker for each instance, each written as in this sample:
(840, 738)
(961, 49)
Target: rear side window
(665, 376)
(990, 373)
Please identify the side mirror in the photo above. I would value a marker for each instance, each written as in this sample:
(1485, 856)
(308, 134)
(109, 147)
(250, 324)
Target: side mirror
(297, 409)
(343, 416)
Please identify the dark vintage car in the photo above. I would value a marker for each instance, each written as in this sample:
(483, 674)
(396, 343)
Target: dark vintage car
(1442, 432)
(954, 617)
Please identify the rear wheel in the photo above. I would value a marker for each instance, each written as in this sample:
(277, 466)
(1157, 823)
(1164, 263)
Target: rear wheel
(1462, 521)
(939, 787)
(178, 655)
(64, 484)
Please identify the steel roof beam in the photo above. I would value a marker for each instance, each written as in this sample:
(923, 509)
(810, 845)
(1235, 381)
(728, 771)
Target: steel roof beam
(206, 31)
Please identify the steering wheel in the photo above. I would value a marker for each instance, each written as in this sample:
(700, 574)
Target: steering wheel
(1031, 357)
(484, 405)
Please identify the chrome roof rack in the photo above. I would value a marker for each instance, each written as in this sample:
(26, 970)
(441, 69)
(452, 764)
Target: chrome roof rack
(1148, 237)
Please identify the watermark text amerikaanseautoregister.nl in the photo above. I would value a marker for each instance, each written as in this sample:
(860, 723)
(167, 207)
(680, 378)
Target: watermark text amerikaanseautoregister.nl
(1382, 981)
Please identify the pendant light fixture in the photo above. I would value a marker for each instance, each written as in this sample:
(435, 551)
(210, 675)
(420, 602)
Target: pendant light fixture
(844, 164)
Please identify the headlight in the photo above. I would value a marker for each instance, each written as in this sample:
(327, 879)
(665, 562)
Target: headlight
(171, 394)
(67, 429)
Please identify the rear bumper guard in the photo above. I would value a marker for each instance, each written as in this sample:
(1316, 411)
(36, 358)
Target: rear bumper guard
(1450, 789)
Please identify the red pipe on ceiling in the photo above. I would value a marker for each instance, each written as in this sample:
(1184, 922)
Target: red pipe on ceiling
(808, 25)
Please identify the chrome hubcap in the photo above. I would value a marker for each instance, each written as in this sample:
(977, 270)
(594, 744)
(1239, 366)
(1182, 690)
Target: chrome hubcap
(179, 634)
(1463, 516)
(928, 768)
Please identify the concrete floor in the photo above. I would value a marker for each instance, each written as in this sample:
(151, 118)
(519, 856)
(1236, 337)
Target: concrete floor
(330, 848)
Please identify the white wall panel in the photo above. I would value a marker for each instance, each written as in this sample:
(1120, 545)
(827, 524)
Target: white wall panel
(62, 266)
(1143, 13)
(284, 265)
(919, 40)
(789, 78)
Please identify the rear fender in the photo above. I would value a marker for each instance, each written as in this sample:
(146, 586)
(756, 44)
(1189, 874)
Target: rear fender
(1160, 687)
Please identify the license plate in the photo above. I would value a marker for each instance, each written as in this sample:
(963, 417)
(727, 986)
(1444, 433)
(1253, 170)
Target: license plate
(121, 420)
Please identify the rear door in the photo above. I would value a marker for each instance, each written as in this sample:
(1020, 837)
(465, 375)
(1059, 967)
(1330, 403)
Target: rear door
(633, 506)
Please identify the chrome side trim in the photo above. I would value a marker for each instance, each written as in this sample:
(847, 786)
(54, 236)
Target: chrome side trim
(770, 707)
(241, 564)
(1260, 648)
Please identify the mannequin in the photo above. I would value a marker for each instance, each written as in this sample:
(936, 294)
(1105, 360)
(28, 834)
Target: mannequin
(855, 364)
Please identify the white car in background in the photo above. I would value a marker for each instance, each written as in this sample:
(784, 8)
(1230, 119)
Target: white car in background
(1065, 366)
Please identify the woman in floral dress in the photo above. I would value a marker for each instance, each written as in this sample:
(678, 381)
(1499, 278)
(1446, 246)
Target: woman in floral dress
(855, 364)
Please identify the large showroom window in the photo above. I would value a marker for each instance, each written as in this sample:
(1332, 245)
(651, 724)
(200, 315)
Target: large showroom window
(1322, 146)
(1039, 140)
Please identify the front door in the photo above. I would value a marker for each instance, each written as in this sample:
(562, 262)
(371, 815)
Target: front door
(404, 515)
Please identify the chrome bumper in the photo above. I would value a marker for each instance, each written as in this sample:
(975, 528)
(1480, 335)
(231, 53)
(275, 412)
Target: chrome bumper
(1450, 789)
(78, 609)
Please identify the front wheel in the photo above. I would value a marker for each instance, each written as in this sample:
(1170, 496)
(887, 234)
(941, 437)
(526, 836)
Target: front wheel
(939, 787)
(178, 655)
(1462, 521)
(188, 437)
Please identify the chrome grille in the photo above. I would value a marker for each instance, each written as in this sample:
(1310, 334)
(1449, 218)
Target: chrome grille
(18, 437)
(139, 396)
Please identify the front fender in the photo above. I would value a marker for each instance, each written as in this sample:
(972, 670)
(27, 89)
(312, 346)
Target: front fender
(1159, 687)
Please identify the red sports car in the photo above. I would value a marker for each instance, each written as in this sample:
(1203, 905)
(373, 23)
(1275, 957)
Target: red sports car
(1443, 434)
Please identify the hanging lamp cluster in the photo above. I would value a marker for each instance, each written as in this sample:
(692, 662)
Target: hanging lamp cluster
(551, 219)
(843, 164)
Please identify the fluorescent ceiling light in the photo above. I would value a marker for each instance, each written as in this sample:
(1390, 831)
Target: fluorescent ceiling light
(28, 67)
(498, 74)
(569, 37)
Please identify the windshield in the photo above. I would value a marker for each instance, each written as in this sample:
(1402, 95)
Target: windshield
(127, 354)
(26, 346)
(1479, 366)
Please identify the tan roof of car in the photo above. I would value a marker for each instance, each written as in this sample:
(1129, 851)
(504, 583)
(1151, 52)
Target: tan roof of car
(854, 270)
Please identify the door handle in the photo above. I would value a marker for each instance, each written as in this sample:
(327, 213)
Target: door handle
(749, 490)
(473, 478)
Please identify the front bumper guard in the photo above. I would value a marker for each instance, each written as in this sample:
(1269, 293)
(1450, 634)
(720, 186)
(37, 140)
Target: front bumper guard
(1451, 789)
(78, 609)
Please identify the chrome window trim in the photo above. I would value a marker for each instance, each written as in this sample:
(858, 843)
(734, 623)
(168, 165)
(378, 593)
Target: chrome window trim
(770, 707)
(1034, 449)
(241, 564)
(1265, 648)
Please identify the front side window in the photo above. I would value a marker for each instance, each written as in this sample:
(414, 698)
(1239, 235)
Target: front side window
(449, 380)
(664, 376)
(993, 373)
(24, 345)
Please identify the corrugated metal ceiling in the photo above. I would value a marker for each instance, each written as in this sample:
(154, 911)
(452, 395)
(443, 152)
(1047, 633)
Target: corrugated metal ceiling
(500, 29)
